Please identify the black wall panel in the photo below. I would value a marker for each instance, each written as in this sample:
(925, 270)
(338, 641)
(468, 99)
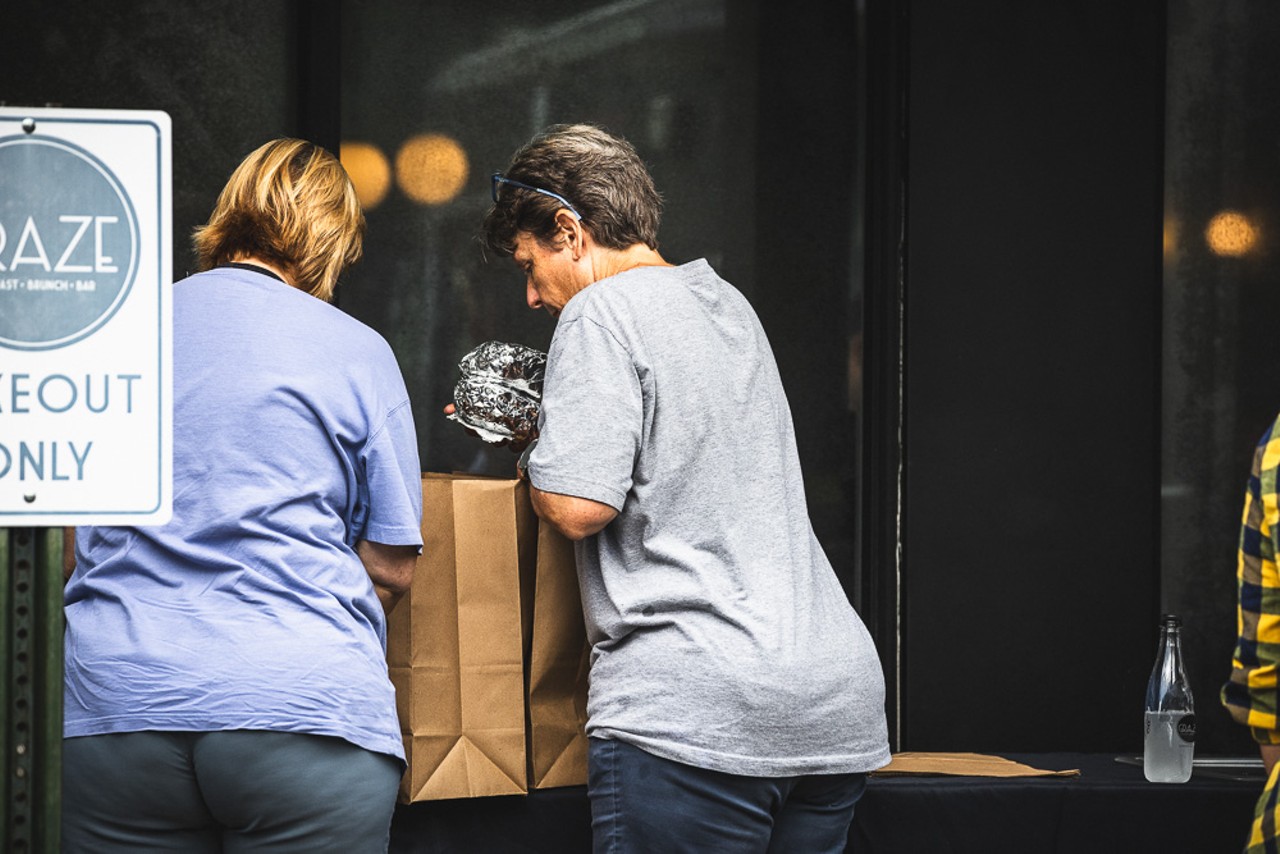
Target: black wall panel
(807, 179)
(1032, 311)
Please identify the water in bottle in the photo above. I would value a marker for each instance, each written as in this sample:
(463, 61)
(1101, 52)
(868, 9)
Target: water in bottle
(1170, 734)
(1167, 753)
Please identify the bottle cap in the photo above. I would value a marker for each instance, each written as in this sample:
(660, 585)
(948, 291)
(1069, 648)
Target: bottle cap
(1171, 620)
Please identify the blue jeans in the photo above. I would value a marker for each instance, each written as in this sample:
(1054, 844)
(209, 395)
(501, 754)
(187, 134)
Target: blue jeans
(643, 803)
(241, 790)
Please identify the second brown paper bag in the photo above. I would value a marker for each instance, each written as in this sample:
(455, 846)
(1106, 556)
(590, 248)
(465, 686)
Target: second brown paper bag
(487, 649)
(557, 659)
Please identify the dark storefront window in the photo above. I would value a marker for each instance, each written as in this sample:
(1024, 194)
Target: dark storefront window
(1221, 301)
(747, 119)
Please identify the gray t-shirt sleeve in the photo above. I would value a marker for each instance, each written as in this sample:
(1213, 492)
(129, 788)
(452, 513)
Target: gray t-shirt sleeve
(591, 422)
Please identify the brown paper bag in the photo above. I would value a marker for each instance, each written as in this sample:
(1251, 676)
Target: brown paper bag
(557, 658)
(455, 641)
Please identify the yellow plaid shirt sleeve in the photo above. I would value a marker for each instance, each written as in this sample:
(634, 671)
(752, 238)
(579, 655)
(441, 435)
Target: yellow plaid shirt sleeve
(1250, 694)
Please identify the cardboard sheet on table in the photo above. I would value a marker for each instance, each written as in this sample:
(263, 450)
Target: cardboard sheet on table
(963, 765)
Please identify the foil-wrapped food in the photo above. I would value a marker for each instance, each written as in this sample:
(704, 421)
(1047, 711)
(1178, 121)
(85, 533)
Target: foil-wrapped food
(500, 390)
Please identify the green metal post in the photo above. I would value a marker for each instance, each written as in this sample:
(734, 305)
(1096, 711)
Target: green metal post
(31, 715)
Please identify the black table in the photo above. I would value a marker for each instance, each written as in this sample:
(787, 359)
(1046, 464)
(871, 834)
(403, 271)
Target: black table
(1109, 808)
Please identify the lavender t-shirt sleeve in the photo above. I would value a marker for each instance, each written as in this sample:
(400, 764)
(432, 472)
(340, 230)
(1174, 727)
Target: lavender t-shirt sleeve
(394, 479)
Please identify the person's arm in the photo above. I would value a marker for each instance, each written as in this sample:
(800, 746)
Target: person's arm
(1270, 753)
(390, 568)
(573, 517)
(1249, 694)
(68, 553)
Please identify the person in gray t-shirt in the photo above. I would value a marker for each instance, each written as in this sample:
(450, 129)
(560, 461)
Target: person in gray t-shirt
(735, 696)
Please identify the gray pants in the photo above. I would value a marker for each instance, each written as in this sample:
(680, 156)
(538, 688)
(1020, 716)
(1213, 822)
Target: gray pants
(231, 791)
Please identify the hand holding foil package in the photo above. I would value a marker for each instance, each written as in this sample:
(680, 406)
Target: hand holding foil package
(500, 391)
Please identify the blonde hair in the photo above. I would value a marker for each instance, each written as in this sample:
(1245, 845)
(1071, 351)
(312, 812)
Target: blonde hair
(291, 204)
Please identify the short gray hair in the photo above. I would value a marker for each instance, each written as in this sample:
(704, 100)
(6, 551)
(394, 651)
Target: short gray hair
(599, 174)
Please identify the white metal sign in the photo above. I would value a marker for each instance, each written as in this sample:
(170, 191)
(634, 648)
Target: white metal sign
(85, 317)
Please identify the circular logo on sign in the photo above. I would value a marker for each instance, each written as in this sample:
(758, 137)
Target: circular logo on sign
(68, 243)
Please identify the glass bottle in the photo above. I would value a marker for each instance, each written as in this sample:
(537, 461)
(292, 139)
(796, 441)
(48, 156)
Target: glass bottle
(1170, 739)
